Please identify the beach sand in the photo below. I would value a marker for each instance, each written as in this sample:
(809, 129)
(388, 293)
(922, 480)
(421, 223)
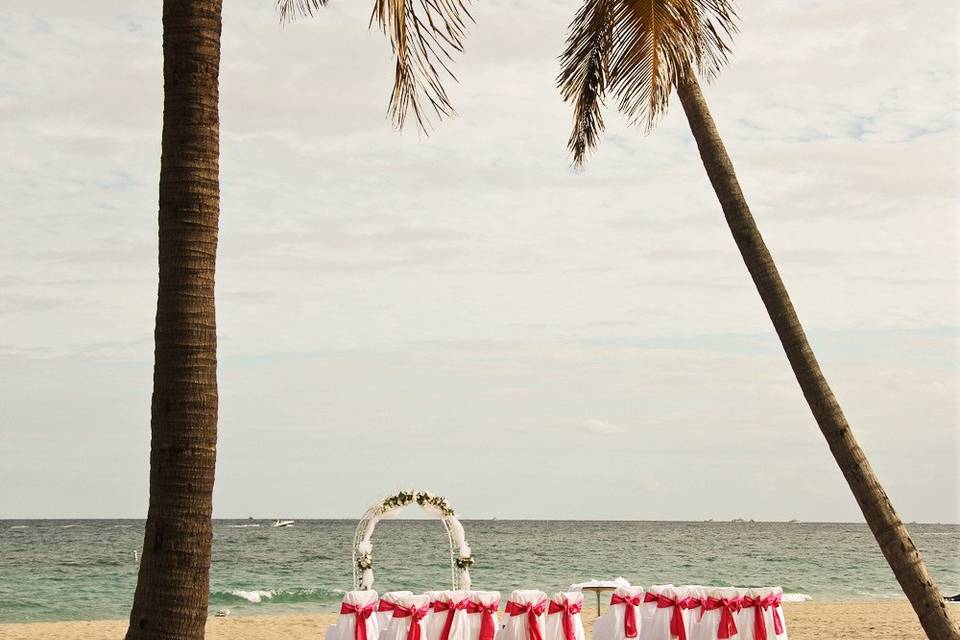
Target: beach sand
(806, 621)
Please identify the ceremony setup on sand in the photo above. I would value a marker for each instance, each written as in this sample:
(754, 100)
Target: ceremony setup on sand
(661, 612)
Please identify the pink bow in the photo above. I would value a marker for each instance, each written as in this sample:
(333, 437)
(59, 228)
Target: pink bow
(727, 606)
(488, 627)
(451, 608)
(400, 611)
(677, 628)
(362, 613)
(759, 606)
(533, 612)
(629, 612)
(568, 609)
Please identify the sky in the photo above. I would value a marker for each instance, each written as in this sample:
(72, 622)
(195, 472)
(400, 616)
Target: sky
(465, 313)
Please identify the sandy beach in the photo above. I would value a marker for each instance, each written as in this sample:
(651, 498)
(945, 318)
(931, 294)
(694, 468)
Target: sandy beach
(806, 621)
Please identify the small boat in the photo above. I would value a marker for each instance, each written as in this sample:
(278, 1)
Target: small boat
(283, 523)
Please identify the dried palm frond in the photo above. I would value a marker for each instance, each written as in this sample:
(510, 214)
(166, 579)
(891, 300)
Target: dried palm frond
(583, 78)
(638, 50)
(290, 9)
(424, 36)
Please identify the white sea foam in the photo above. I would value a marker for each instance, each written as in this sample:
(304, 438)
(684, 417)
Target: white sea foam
(796, 597)
(19, 526)
(253, 596)
(241, 526)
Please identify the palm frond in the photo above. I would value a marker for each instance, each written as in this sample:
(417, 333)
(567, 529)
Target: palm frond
(290, 9)
(638, 50)
(584, 71)
(424, 36)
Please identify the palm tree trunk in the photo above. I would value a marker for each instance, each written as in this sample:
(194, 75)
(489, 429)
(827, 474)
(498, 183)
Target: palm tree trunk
(170, 602)
(892, 536)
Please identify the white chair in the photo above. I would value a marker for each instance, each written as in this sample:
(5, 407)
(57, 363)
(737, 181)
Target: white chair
(385, 609)
(761, 616)
(666, 617)
(721, 608)
(407, 620)
(623, 618)
(482, 615)
(357, 620)
(649, 606)
(563, 617)
(693, 598)
(525, 612)
(447, 616)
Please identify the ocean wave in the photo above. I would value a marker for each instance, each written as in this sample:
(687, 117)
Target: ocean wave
(284, 596)
(241, 526)
(796, 597)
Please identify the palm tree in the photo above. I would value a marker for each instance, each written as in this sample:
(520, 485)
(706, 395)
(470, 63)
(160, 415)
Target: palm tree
(173, 583)
(639, 51)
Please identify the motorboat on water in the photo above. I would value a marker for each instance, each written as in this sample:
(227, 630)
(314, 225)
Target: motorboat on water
(283, 523)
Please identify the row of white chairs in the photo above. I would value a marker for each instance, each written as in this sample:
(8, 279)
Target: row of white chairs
(667, 612)
(662, 612)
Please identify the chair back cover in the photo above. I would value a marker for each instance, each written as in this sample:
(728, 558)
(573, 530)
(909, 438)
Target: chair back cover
(408, 622)
(448, 616)
(385, 609)
(664, 606)
(524, 612)
(616, 622)
(563, 617)
(694, 614)
(483, 618)
(357, 619)
(761, 616)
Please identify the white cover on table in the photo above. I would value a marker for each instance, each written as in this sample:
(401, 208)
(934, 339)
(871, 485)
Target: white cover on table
(475, 620)
(554, 622)
(610, 626)
(516, 627)
(437, 620)
(399, 627)
(346, 625)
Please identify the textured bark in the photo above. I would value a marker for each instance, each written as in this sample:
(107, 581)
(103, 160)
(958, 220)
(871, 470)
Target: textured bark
(891, 534)
(173, 584)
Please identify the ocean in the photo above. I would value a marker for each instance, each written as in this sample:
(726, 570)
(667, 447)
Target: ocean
(86, 570)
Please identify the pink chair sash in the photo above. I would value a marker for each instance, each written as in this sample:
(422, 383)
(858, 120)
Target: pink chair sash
(533, 612)
(759, 606)
(629, 612)
(362, 613)
(677, 628)
(400, 611)
(451, 608)
(728, 606)
(568, 609)
(488, 626)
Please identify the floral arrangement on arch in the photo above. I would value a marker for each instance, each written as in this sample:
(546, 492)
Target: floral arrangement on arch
(422, 498)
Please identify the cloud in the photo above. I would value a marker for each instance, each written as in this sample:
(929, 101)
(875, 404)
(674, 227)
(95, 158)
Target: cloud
(469, 286)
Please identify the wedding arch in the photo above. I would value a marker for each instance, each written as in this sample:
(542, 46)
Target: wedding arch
(433, 505)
